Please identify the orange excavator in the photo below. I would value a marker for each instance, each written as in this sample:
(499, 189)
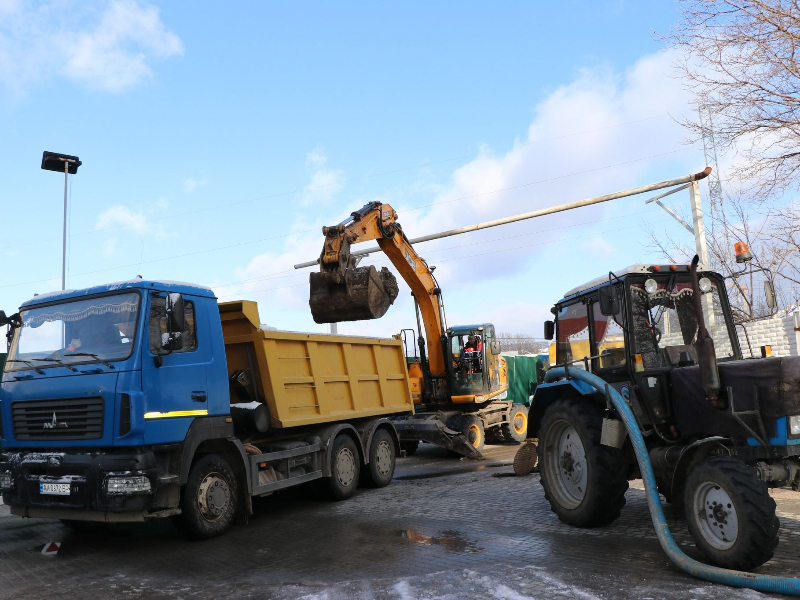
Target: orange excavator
(459, 381)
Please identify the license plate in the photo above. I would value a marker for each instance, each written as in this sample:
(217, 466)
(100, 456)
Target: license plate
(54, 489)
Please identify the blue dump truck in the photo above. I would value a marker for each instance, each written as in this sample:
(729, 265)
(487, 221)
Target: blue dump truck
(145, 399)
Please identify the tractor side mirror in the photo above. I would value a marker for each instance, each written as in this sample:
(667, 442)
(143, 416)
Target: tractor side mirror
(494, 347)
(549, 330)
(3, 318)
(175, 313)
(609, 301)
(769, 292)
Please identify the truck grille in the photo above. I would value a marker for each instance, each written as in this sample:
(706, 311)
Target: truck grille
(65, 419)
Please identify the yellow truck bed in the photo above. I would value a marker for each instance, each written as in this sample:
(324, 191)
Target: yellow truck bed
(307, 378)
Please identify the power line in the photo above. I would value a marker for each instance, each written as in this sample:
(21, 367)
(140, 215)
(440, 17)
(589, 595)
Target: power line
(559, 240)
(361, 178)
(240, 244)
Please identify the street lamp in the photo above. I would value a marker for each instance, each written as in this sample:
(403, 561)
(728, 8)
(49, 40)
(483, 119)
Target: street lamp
(62, 163)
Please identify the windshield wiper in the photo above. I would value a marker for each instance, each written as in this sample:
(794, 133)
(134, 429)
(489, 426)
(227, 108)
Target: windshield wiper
(55, 360)
(27, 362)
(94, 356)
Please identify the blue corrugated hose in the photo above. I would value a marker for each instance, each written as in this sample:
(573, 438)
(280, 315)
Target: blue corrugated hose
(763, 583)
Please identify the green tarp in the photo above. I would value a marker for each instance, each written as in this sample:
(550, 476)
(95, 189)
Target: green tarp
(524, 374)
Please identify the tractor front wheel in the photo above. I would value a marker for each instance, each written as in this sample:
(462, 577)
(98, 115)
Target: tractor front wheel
(730, 513)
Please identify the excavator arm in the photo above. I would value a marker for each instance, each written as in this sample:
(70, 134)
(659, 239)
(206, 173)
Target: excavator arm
(342, 291)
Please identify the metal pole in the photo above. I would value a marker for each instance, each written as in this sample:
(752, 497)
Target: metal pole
(64, 237)
(699, 226)
(539, 213)
(701, 245)
(334, 328)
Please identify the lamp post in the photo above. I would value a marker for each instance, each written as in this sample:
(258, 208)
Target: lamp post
(62, 163)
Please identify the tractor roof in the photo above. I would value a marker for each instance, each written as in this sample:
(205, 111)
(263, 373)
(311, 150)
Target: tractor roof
(638, 269)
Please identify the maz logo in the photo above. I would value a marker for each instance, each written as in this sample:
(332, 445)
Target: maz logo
(54, 424)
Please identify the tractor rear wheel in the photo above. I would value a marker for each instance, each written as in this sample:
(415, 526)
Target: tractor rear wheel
(730, 513)
(584, 481)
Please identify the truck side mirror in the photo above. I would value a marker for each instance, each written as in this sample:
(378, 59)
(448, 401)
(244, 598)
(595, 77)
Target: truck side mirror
(609, 301)
(172, 341)
(769, 292)
(175, 312)
(549, 330)
(494, 347)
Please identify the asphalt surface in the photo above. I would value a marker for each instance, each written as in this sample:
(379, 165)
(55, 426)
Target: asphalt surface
(444, 529)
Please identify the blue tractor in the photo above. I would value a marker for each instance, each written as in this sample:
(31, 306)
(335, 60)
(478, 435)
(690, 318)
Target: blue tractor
(720, 429)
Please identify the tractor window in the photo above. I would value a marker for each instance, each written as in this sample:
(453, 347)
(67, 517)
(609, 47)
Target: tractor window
(665, 326)
(572, 338)
(609, 338)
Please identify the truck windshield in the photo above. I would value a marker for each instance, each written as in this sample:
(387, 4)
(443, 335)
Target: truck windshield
(665, 325)
(94, 330)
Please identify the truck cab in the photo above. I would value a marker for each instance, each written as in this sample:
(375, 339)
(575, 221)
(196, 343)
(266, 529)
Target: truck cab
(96, 379)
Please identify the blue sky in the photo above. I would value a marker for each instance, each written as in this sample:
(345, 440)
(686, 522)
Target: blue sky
(217, 141)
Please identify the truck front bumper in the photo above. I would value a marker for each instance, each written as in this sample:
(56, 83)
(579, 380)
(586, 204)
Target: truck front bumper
(73, 485)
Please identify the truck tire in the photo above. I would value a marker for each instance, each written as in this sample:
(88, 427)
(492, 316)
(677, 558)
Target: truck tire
(345, 469)
(516, 430)
(471, 427)
(382, 457)
(409, 446)
(209, 499)
(584, 481)
(730, 513)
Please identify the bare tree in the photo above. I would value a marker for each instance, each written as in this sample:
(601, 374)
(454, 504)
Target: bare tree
(741, 60)
(773, 237)
(521, 342)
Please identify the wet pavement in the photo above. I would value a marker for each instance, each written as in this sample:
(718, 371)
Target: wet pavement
(444, 529)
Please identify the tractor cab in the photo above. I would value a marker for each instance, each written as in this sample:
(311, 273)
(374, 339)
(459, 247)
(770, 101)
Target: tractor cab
(635, 326)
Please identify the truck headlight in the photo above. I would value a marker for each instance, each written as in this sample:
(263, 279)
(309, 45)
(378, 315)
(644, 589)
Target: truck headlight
(136, 484)
(794, 425)
(5, 481)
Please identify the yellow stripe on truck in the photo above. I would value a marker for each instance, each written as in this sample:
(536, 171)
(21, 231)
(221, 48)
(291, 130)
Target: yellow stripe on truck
(176, 413)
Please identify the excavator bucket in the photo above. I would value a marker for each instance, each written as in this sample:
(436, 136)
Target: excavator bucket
(362, 293)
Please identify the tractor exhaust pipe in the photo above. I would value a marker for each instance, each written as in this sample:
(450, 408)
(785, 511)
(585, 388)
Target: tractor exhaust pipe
(706, 356)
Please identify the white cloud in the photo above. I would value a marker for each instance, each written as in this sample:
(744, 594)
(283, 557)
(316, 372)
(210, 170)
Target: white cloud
(601, 118)
(108, 48)
(325, 181)
(190, 184)
(122, 216)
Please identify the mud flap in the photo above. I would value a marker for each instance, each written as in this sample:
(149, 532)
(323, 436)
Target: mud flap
(362, 293)
(431, 430)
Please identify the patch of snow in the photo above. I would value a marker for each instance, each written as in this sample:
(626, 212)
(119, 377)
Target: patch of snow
(247, 405)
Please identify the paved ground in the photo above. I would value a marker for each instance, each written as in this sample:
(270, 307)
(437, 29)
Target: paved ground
(444, 529)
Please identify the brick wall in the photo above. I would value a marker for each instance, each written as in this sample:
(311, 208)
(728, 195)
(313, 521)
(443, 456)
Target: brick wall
(782, 333)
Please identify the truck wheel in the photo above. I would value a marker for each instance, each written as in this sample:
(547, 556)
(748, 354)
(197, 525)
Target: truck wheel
(472, 428)
(584, 481)
(730, 513)
(345, 469)
(209, 499)
(409, 446)
(516, 430)
(382, 456)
